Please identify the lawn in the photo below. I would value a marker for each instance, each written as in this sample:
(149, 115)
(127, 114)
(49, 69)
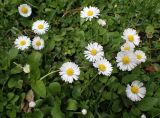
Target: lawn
(79, 58)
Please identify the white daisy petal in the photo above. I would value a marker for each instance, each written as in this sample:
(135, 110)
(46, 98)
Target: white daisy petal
(38, 43)
(90, 12)
(136, 91)
(69, 72)
(126, 61)
(131, 36)
(127, 47)
(140, 56)
(40, 27)
(22, 42)
(24, 10)
(104, 67)
(94, 52)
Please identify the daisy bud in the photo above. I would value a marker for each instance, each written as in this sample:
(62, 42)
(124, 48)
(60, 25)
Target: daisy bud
(32, 104)
(26, 68)
(101, 22)
(143, 116)
(84, 111)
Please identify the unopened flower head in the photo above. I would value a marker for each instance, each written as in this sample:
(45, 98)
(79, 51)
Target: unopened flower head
(84, 111)
(101, 22)
(26, 68)
(32, 104)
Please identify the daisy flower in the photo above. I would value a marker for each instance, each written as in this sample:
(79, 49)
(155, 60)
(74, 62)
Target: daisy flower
(38, 43)
(94, 52)
(69, 72)
(140, 56)
(24, 10)
(136, 91)
(131, 36)
(101, 22)
(90, 12)
(126, 60)
(40, 27)
(127, 47)
(22, 42)
(104, 67)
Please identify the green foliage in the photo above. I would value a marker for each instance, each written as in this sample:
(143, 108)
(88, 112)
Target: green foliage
(103, 97)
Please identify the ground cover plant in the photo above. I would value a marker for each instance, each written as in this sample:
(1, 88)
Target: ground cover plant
(80, 58)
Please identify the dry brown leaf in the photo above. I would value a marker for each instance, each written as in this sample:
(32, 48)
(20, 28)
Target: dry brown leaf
(26, 100)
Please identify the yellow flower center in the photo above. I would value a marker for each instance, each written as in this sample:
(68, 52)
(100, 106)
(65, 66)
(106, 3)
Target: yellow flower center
(127, 48)
(38, 43)
(22, 42)
(69, 71)
(102, 67)
(93, 52)
(24, 10)
(40, 26)
(131, 38)
(139, 56)
(90, 13)
(134, 89)
(125, 60)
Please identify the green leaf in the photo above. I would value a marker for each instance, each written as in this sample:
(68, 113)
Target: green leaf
(50, 45)
(34, 61)
(12, 83)
(39, 87)
(10, 96)
(147, 103)
(76, 93)
(129, 78)
(56, 111)
(89, 115)
(136, 111)
(34, 58)
(58, 38)
(117, 106)
(72, 105)
(12, 113)
(13, 52)
(54, 88)
(37, 114)
(16, 70)
(111, 80)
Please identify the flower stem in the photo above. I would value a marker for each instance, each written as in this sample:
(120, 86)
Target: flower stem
(77, 113)
(19, 65)
(48, 74)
